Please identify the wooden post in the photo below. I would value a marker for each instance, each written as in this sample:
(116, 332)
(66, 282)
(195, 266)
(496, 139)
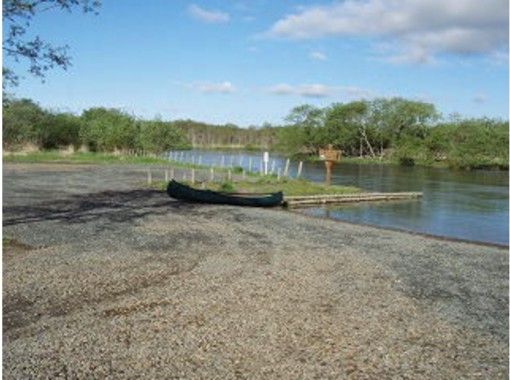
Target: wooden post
(329, 166)
(166, 175)
(330, 156)
(279, 172)
(229, 175)
(172, 173)
(244, 175)
(286, 170)
(211, 175)
(149, 176)
(192, 176)
(300, 169)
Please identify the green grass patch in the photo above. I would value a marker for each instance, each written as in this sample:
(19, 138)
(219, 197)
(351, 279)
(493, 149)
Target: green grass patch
(289, 187)
(80, 158)
(6, 241)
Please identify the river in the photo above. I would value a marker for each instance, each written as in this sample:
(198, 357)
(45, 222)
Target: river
(471, 205)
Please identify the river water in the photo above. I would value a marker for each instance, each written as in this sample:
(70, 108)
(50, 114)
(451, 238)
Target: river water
(459, 204)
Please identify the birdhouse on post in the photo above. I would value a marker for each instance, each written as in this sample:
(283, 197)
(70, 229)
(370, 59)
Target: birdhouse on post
(330, 156)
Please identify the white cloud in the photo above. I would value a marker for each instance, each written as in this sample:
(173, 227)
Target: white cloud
(282, 89)
(320, 91)
(210, 16)
(318, 56)
(419, 29)
(307, 90)
(210, 88)
(315, 90)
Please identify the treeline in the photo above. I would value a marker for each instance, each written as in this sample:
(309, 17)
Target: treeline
(410, 132)
(401, 130)
(97, 129)
(202, 135)
(106, 130)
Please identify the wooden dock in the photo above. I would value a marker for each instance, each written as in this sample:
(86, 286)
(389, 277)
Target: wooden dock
(343, 198)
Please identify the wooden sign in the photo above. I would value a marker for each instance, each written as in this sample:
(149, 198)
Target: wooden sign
(330, 156)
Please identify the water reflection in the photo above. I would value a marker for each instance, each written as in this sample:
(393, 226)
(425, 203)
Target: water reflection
(468, 205)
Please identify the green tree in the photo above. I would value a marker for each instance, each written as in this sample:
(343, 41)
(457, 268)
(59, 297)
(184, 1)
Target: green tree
(20, 119)
(160, 136)
(307, 121)
(59, 130)
(106, 129)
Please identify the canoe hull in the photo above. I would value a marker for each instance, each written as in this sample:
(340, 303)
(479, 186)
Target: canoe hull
(182, 192)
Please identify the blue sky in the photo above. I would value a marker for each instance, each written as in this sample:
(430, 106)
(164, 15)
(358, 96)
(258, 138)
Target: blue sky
(248, 62)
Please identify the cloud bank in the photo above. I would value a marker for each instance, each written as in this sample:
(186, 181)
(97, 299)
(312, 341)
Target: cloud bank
(412, 30)
(320, 91)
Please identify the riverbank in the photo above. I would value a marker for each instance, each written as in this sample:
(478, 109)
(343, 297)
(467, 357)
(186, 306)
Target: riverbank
(130, 283)
(501, 165)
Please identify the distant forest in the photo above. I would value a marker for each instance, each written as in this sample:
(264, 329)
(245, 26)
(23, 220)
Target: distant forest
(385, 130)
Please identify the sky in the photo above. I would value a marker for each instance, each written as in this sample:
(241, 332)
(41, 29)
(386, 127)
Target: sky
(251, 61)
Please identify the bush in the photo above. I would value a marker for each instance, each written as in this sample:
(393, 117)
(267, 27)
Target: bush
(20, 120)
(60, 130)
(159, 136)
(106, 130)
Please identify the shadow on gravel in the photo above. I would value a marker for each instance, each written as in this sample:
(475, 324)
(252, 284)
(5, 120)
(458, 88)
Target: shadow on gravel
(116, 206)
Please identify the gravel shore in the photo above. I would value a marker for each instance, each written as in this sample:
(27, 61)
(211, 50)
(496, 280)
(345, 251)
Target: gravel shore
(106, 279)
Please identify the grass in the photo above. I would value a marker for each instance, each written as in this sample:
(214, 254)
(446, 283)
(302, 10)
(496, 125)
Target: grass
(289, 187)
(80, 158)
(6, 241)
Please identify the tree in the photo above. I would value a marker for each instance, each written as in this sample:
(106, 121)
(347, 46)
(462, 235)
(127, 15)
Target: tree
(107, 129)
(308, 121)
(159, 136)
(42, 56)
(20, 120)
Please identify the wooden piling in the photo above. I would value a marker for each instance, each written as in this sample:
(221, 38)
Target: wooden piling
(149, 176)
(286, 170)
(192, 176)
(211, 175)
(300, 169)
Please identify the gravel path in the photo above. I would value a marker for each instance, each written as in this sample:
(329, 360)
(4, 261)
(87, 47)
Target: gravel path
(106, 279)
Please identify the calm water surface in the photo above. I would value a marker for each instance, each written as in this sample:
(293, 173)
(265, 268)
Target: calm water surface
(466, 205)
